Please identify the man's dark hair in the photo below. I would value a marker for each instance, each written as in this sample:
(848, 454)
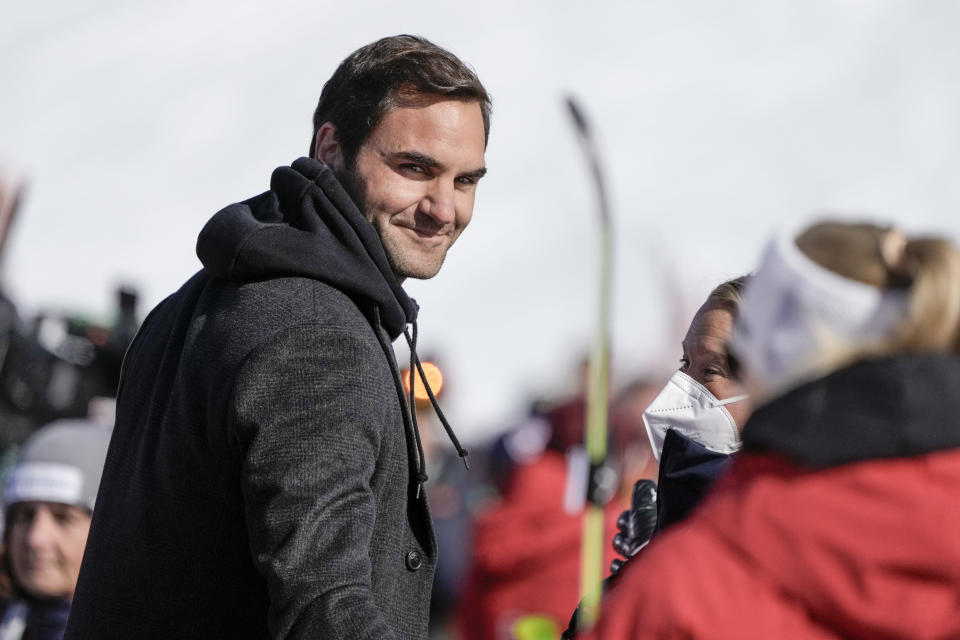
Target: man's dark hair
(384, 75)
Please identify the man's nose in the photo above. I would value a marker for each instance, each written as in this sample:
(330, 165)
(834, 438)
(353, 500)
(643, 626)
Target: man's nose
(439, 202)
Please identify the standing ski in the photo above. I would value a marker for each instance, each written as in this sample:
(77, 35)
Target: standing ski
(601, 482)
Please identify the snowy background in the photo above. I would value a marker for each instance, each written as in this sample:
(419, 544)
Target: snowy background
(134, 122)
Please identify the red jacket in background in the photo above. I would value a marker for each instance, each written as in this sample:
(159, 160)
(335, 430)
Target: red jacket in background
(527, 553)
(864, 550)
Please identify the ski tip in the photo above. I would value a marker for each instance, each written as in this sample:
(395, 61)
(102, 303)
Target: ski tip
(577, 114)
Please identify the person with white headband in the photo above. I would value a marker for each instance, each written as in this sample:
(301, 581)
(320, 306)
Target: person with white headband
(48, 501)
(838, 517)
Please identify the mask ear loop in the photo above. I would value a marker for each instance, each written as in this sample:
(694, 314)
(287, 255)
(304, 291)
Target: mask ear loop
(731, 400)
(715, 402)
(733, 423)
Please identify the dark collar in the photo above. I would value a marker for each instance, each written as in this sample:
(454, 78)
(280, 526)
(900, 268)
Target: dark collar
(307, 226)
(876, 409)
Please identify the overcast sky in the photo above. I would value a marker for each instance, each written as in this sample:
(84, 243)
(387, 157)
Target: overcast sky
(134, 122)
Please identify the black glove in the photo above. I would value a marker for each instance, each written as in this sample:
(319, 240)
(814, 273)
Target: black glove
(636, 528)
(636, 525)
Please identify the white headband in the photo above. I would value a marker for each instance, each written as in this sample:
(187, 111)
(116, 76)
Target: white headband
(795, 313)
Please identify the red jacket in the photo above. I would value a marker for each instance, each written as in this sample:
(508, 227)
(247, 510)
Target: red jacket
(527, 554)
(866, 550)
(826, 546)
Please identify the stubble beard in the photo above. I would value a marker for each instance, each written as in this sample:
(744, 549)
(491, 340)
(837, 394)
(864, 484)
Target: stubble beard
(402, 261)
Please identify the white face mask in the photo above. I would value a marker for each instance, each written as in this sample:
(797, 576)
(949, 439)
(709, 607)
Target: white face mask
(687, 407)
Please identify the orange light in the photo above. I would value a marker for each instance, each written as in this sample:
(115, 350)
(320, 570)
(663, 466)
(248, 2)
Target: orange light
(433, 377)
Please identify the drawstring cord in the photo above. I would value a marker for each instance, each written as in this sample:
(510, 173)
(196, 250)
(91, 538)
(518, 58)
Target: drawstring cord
(463, 453)
(422, 460)
(416, 365)
(412, 439)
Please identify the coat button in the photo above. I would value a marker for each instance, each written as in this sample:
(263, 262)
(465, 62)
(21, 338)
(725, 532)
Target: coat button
(414, 560)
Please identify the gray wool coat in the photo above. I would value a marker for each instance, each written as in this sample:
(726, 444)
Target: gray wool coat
(260, 482)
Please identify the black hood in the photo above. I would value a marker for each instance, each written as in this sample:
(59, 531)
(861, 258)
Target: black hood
(894, 407)
(306, 226)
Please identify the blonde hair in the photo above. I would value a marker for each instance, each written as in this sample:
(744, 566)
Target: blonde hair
(927, 268)
(729, 292)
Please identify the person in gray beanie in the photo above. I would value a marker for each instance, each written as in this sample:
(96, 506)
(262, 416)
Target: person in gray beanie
(48, 504)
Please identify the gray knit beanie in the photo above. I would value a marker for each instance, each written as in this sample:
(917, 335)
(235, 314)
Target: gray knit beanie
(62, 462)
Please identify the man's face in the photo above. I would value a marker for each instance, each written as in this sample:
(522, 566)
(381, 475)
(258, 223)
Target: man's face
(46, 546)
(415, 178)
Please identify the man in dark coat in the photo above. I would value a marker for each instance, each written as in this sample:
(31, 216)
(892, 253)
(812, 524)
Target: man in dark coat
(265, 475)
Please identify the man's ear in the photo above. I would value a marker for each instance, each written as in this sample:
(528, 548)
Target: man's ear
(327, 147)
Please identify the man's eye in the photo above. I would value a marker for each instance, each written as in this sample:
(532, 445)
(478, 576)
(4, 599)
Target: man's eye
(414, 168)
(466, 181)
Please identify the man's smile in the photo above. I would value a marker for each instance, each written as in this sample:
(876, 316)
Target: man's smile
(425, 234)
